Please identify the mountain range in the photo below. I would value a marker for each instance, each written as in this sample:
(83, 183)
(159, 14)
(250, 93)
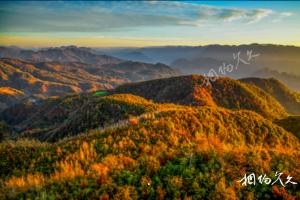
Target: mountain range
(57, 71)
(80, 123)
(55, 118)
(122, 146)
(58, 54)
(270, 56)
(263, 60)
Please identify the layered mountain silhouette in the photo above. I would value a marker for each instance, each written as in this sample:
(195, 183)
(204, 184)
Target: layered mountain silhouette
(270, 56)
(133, 55)
(58, 54)
(196, 65)
(281, 61)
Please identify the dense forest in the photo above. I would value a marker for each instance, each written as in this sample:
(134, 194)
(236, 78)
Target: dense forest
(127, 147)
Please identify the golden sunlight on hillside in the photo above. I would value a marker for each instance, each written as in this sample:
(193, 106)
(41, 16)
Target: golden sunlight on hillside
(10, 91)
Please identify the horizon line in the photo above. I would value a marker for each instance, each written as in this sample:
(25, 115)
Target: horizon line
(149, 46)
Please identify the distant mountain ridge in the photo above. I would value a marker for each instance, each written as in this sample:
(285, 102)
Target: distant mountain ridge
(58, 54)
(86, 69)
(282, 62)
(168, 54)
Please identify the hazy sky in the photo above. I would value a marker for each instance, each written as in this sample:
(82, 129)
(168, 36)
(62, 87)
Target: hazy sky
(151, 23)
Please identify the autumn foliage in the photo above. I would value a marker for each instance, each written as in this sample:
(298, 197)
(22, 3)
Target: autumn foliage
(151, 151)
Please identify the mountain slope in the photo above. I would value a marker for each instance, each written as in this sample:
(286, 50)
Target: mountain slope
(291, 80)
(170, 152)
(289, 99)
(291, 124)
(56, 118)
(191, 90)
(88, 112)
(55, 79)
(5, 132)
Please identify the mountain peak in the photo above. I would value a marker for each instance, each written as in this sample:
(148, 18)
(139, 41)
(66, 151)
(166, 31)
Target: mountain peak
(192, 90)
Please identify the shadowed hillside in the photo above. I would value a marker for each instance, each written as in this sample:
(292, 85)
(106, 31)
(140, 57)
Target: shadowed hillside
(191, 90)
(291, 124)
(291, 80)
(5, 132)
(289, 99)
(56, 118)
(92, 112)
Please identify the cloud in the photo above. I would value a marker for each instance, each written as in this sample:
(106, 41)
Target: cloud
(286, 14)
(105, 16)
(281, 16)
(258, 14)
(231, 14)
